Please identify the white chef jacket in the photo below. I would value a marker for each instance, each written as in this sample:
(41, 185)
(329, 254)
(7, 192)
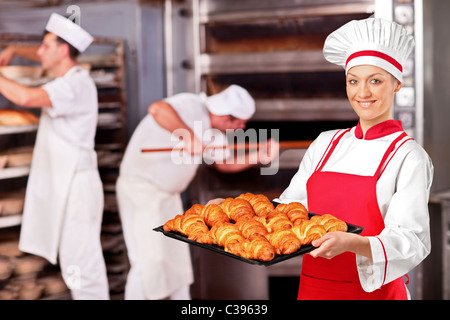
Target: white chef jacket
(402, 193)
(74, 111)
(168, 170)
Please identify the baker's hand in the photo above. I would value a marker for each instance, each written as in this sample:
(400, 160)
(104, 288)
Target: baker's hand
(335, 243)
(6, 56)
(331, 245)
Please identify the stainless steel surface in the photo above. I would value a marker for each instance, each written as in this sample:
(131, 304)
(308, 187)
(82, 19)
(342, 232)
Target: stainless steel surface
(284, 11)
(265, 62)
(304, 109)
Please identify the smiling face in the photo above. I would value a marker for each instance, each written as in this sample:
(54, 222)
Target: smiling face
(371, 91)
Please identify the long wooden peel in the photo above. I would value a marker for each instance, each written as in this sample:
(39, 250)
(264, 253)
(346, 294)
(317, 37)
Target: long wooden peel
(297, 144)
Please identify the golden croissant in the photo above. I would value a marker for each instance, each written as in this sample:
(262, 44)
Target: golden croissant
(331, 223)
(260, 203)
(284, 241)
(295, 211)
(196, 209)
(173, 224)
(191, 226)
(250, 226)
(226, 234)
(308, 231)
(259, 248)
(237, 208)
(277, 220)
(213, 214)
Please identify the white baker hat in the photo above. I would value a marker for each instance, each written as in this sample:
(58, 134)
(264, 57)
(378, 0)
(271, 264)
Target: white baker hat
(69, 31)
(234, 100)
(371, 41)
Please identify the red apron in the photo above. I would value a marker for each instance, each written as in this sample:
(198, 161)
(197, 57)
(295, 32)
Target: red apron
(351, 198)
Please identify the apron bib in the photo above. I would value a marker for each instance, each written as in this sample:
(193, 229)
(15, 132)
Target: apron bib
(53, 167)
(351, 198)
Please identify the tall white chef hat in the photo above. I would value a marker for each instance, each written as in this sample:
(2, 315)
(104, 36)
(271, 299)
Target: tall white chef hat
(371, 41)
(69, 31)
(234, 100)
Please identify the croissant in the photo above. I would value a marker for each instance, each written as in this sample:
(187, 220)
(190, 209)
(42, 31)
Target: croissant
(237, 208)
(260, 203)
(226, 234)
(250, 227)
(308, 231)
(213, 214)
(259, 248)
(330, 222)
(196, 209)
(237, 248)
(284, 241)
(277, 220)
(295, 211)
(173, 224)
(191, 226)
(261, 220)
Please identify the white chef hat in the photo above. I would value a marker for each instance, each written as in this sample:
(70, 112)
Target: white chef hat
(371, 41)
(69, 31)
(234, 100)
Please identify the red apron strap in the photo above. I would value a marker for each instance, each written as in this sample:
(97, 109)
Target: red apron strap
(328, 153)
(391, 148)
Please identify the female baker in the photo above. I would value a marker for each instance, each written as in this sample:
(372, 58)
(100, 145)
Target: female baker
(372, 175)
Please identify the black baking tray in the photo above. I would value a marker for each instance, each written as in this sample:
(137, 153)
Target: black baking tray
(278, 258)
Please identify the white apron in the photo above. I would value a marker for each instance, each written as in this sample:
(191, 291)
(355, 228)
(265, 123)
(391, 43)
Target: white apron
(53, 167)
(159, 265)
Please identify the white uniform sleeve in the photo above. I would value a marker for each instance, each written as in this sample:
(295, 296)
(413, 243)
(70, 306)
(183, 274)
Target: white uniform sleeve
(62, 96)
(405, 241)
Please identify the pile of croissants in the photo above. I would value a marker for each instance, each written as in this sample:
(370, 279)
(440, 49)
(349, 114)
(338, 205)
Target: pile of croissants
(250, 226)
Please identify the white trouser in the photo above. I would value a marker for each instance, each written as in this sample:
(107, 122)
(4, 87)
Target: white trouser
(160, 267)
(80, 253)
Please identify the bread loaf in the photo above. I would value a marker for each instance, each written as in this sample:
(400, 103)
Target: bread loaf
(11, 117)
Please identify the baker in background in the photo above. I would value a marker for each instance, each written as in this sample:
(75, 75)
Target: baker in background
(64, 197)
(149, 185)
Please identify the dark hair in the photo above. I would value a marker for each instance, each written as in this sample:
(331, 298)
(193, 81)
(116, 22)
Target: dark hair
(73, 52)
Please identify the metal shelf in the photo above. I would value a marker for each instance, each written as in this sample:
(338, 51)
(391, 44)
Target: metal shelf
(265, 62)
(284, 13)
(304, 109)
(18, 129)
(8, 173)
(10, 221)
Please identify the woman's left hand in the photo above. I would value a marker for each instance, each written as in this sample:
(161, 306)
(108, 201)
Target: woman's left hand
(335, 243)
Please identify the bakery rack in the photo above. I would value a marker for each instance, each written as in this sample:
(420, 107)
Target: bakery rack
(106, 60)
